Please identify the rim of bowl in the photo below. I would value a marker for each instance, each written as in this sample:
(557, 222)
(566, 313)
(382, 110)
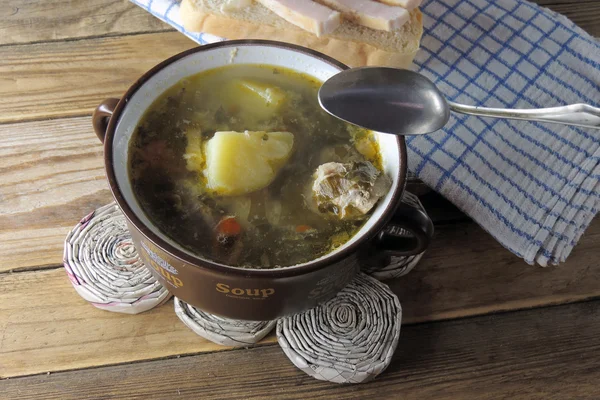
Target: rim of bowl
(207, 264)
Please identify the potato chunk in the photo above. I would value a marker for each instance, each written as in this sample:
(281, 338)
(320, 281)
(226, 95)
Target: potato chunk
(270, 95)
(367, 147)
(243, 162)
(251, 100)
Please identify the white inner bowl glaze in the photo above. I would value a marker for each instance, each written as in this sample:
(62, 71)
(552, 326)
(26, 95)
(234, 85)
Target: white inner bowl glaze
(213, 58)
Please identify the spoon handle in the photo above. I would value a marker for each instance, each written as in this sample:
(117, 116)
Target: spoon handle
(574, 114)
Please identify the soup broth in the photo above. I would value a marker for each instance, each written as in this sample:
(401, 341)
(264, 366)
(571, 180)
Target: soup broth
(241, 166)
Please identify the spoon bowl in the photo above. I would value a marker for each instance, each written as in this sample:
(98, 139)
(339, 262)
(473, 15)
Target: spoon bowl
(385, 100)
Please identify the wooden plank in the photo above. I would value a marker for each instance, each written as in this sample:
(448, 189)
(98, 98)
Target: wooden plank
(71, 78)
(45, 326)
(466, 272)
(586, 14)
(52, 176)
(548, 354)
(35, 21)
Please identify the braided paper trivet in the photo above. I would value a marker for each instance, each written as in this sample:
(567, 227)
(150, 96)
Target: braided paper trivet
(223, 331)
(349, 339)
(103, 265)
(389, 267)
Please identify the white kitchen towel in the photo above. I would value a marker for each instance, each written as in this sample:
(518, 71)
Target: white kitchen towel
(533, 186)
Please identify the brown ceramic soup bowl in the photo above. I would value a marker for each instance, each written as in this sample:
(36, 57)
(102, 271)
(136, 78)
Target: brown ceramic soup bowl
(394, 227)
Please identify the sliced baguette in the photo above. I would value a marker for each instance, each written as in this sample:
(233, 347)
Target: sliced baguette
(351, 44)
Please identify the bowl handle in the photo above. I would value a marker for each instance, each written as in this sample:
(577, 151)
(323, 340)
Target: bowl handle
(409, 231)
(101, 116)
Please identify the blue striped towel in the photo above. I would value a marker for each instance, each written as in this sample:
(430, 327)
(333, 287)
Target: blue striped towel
(533, 186)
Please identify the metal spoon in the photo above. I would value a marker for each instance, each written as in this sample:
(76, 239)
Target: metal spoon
(403, 102)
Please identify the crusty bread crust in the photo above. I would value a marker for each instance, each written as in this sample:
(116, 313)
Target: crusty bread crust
(352, 53)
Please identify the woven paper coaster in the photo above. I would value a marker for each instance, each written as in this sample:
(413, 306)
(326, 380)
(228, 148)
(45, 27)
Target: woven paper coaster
(349, 339)
(223, 331)
(104, 268)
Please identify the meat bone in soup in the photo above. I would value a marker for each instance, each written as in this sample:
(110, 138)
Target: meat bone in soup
(241, 166)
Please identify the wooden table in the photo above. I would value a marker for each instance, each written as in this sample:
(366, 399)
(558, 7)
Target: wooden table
(478, 322)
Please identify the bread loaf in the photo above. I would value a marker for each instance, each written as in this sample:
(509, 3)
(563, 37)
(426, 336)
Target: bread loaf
(352, 44)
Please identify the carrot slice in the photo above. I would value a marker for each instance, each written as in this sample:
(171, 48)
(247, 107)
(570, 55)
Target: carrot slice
(303, 228)
(229, 226)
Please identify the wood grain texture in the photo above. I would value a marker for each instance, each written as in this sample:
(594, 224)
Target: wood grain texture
(52, 175)
(467, 272)
(586, 14)
(549, 354)
(24, 21)
(71, 78)
(45, 326)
